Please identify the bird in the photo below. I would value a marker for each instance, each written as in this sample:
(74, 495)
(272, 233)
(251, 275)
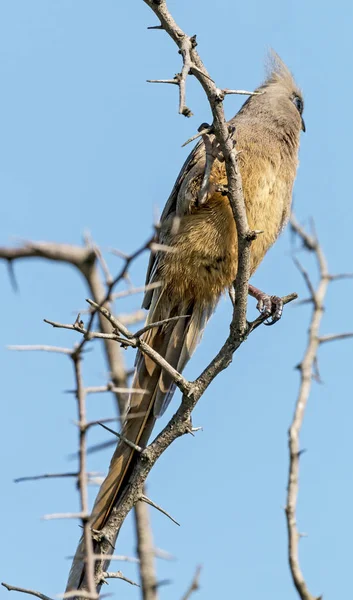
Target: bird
(201, 262)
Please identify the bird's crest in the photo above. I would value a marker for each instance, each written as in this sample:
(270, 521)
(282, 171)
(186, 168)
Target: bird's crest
(278, 72)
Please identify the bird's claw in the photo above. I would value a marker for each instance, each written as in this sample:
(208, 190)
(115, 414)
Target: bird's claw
(270, 306)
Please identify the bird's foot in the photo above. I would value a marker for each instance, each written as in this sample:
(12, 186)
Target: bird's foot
(269, 306)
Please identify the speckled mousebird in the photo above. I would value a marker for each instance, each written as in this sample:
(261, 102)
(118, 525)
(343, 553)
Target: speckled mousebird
(203, 263)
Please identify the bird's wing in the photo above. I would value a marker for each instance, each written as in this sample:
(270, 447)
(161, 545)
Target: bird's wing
(179, 203)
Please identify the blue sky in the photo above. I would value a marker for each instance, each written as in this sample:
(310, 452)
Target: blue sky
(87, 144)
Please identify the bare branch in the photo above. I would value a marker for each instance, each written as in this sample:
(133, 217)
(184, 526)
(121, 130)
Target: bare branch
(341, 276)
(172, 81)
(81, 515)
(185, 50)
(117, 557)
(41, 348)
(112, 320)
(109, 388)
(194, 586)
(226, 91)
(12, 588)
(85, 260)
(145, 552)
(136, 290)
(333, 337)
(103, 264)
(118, 575)
(308, 369)
(306, 278)
(82, 475)
(53, 476)
(158, 324)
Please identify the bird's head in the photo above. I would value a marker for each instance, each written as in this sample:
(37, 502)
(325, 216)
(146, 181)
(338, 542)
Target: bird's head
(281, 95)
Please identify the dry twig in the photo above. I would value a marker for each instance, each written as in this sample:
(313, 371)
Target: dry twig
(308, 371)
(13, 588)
(194, 586)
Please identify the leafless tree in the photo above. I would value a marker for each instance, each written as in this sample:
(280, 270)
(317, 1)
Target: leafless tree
(117, 333)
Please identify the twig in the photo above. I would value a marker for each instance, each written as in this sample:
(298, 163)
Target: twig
(194, 586)
(109, 388)
(103, 264)
(341, 276)
(185, 50)
(118, 575)
(136, 290)
(12, 588)
(53, 476)
(333, 337)
(308, 369)
(117, 557)
(40, 348)
(306, 278)
(159, 553)
(112, 320)
(172, 81)
(226, 91)
(158, 324)
(81, 515)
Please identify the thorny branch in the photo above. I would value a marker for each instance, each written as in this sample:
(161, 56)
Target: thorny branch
(308, 371)
(180, 424)
(195, 66)
(145, 553)
(85, 260)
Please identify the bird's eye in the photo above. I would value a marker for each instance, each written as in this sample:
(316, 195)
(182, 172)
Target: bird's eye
(298, 103)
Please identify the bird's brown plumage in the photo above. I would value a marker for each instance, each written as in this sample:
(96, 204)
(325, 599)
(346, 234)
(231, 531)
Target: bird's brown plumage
(203, 262)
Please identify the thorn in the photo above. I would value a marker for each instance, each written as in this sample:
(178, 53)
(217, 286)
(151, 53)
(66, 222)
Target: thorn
(121, 437)
(78, 322)
(12, 276)
(252, 234)
(316, 374)
(193, 41)
(204, 129)
(164, 512)
(163, 582)
(191, 430)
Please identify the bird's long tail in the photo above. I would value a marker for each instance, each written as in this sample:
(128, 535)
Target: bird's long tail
(175, 341)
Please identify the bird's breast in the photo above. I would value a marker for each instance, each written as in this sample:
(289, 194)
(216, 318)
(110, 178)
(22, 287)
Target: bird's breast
(203, 262)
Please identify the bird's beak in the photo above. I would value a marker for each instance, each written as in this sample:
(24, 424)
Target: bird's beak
(303, 125)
